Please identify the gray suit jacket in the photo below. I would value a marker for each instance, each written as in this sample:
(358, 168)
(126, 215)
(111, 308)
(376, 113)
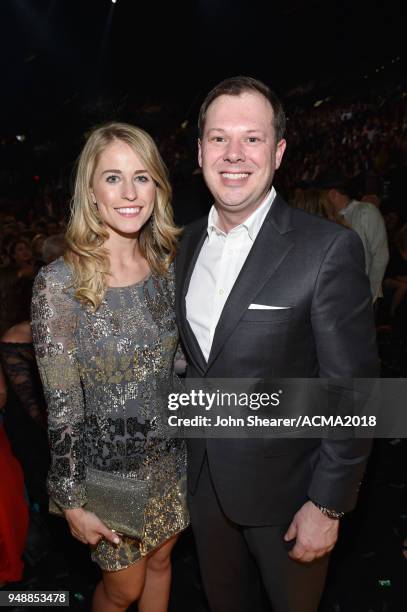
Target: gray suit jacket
(316, 267)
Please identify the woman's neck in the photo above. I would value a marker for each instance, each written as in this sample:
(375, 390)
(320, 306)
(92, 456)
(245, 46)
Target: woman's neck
(127, 265)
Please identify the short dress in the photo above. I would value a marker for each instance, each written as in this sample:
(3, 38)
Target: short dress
(103, 373)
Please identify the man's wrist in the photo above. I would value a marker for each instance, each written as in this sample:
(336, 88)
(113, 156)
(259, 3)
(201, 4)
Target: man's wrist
(329, 512)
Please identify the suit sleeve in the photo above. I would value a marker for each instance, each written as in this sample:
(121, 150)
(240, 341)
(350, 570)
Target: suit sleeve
(345, 338)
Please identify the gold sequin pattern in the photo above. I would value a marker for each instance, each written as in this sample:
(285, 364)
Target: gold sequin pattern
(167, 508)
(105, 375)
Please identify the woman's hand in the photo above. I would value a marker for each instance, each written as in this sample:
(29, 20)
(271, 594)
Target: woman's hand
(88, 528)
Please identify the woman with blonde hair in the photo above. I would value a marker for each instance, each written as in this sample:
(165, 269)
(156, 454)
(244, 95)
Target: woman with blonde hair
(316, 202)
(105, 337)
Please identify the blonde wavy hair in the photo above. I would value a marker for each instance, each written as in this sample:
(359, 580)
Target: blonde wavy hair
(316, 202)
(86, 233)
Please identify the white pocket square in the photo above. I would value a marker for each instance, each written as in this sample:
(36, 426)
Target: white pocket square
(265, 307)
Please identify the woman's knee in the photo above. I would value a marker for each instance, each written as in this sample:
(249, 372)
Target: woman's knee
(160, 560)
(123, 596)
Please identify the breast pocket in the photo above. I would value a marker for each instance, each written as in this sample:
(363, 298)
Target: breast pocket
(278, 315)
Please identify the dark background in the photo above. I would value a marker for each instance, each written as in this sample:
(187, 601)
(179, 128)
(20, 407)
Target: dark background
(64, 58)
(68, 65)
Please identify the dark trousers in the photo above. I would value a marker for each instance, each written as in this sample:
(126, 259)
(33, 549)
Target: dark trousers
(235, 559)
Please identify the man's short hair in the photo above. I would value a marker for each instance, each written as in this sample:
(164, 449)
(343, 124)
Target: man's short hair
(235, 86)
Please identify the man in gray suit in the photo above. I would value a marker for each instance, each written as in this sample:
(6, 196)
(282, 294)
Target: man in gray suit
(266, 291)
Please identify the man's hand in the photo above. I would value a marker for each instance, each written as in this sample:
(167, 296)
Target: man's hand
(315, 534)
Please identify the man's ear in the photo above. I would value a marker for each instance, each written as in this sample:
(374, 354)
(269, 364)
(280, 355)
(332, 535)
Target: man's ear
(281, 146)
(199, 153)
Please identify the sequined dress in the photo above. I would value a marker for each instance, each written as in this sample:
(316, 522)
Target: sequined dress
(103, 374)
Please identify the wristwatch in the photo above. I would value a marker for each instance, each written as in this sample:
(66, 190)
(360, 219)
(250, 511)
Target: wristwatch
(332, 514)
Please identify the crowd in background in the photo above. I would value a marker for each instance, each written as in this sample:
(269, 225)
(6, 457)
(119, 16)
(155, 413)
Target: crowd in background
(365, 140)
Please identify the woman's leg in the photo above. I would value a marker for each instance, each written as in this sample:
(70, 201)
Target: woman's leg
(118, 590)
(156, 592)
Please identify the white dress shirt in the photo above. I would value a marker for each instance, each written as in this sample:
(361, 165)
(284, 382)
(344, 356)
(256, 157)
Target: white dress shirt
(218, 265)
(367, 221)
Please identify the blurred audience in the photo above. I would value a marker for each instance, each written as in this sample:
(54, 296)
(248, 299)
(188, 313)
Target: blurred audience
(372, 198)
(53, 247)
(22, 257)
(317, 202)
(366, 220)
(37, 243)
(395, 282)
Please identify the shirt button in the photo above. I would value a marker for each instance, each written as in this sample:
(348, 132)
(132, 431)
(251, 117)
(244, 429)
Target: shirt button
(221, 292)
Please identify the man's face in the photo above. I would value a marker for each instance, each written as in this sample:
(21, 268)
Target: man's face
(238, 153)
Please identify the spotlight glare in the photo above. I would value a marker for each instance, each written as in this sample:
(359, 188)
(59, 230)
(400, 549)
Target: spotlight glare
(114, 1)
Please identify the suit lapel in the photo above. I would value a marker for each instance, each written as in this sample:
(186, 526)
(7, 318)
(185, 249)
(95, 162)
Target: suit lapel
(267, 253)
(186, 261)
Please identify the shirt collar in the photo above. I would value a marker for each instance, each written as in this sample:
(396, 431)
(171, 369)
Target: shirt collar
(348, 207)
(251, 225)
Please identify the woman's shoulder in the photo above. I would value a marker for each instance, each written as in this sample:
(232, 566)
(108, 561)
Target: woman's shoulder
(167, 281)
(171, 270)
(169, 277)
(56, 271)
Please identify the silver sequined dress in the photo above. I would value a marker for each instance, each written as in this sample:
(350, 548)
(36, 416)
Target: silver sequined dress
(103, 373)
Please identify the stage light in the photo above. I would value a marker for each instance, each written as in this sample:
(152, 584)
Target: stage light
(20, 137)
(114, 1)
